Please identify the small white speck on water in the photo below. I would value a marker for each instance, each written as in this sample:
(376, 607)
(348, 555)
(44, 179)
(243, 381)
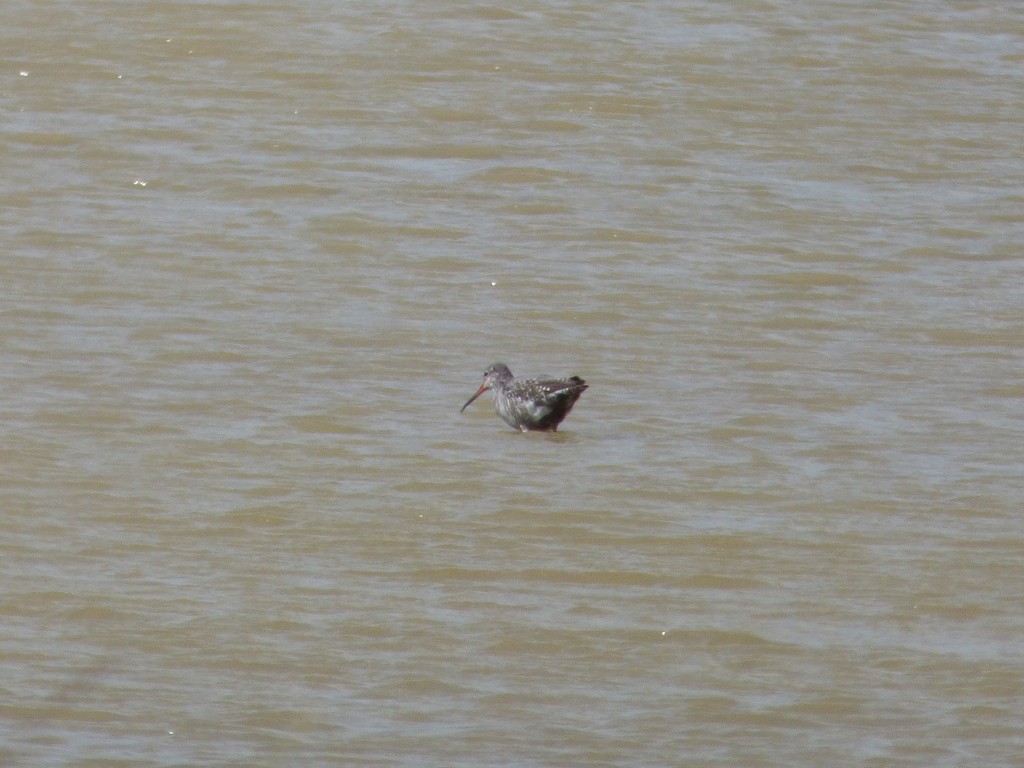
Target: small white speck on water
(24, 73)
(493, 283)
(140, 183)
(663, 633)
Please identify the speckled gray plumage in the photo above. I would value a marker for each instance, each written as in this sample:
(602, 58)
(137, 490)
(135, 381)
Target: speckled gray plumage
(530, 404)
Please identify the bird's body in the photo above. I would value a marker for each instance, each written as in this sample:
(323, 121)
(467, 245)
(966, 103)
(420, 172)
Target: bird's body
(530, 404)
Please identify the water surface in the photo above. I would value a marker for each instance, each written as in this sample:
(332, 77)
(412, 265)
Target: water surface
(256, 257)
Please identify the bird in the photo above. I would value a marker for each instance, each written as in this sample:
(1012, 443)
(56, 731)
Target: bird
(530, 404)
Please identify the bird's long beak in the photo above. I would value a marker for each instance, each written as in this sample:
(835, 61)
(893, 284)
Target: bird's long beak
(474, 397)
